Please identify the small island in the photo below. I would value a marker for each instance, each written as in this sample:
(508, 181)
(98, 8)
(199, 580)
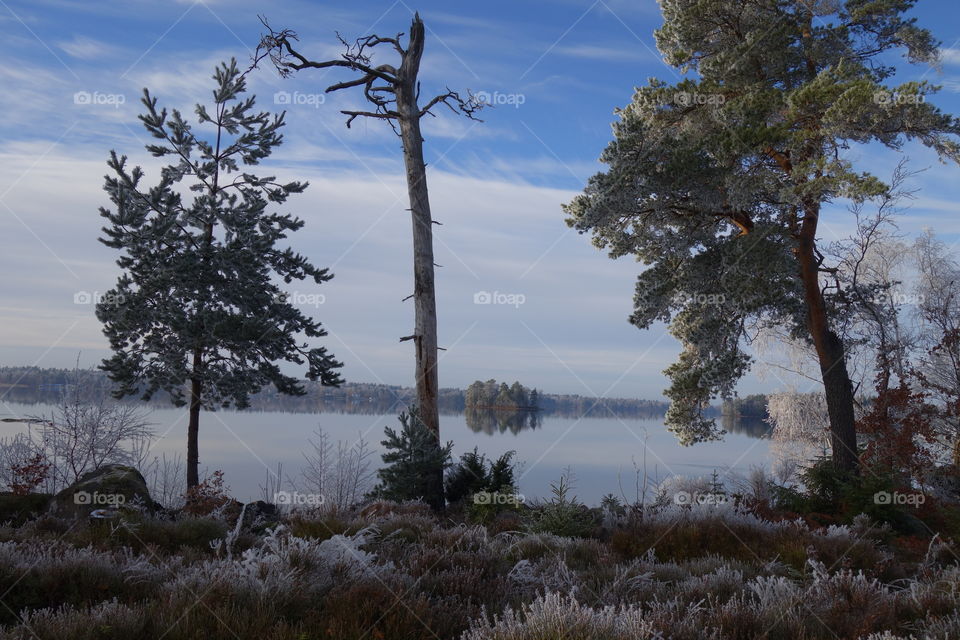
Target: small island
(499, 397)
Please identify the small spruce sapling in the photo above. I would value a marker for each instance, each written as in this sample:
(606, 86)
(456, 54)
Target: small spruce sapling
(412, 456)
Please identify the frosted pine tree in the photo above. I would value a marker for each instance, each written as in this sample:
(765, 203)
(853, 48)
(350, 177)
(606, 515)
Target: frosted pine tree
(718, 183)
(198, 310)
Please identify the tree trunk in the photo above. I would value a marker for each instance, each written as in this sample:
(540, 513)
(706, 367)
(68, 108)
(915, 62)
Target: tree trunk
(193, 428)
(424, 297)
(838, 389)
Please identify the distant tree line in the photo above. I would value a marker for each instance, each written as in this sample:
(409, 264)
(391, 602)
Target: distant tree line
(36, 385)
(751, 406)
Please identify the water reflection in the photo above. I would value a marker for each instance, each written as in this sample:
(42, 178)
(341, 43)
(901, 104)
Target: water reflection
(492, 421)
(752, 426)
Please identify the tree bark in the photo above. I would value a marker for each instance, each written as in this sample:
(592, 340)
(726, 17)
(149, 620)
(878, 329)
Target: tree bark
(193, 427)
(838, 389)
(424, 296)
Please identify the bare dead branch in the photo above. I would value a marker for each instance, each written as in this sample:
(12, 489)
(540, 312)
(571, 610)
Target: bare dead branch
(369, 114)
(277, 45)
(380, 83)
(467, 107)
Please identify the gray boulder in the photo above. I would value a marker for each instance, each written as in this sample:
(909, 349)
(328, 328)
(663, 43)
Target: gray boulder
(111, 488)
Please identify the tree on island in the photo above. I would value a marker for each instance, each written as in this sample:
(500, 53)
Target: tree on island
(197, 304)
(491, 395)
(718, 184)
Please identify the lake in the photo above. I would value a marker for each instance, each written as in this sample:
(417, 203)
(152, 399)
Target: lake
(603, 453)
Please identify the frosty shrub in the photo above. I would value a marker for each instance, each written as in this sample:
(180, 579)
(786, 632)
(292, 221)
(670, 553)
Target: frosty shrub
(557, 616)
(340, 472)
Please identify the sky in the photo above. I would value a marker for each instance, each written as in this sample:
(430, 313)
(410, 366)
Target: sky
(73, 72)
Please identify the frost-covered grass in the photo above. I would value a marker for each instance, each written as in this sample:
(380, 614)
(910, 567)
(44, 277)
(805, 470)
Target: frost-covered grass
(399, 572)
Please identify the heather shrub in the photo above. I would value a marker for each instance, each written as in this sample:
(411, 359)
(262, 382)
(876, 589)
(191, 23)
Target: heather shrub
(558, 616)
(108, 620)
(20, 508)
(399, 571)
(35, 574)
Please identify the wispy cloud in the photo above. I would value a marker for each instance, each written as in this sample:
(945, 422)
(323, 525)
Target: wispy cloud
(609, 54)
(84, 48)
(950, 55)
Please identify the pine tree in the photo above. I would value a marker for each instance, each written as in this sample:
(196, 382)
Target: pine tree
(718, 183)
(197, 311)
(411, 460)
(503, 399)
(519, 395)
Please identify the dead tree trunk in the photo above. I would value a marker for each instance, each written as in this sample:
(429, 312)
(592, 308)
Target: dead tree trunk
(424, 298)
(394, 92)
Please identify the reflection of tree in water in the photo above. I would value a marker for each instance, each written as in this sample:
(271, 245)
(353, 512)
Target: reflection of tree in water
(752, 426)
(492, 421)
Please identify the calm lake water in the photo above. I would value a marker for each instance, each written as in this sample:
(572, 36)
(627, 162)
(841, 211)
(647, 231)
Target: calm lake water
(603, 453)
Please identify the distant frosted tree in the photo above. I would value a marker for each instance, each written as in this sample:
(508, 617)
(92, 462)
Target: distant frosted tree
(801, 428)
(519, 395)
(938, 314)
(718, 183)
(197, 311)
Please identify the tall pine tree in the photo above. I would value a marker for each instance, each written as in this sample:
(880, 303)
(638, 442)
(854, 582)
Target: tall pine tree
(198, 311)
(718, 183)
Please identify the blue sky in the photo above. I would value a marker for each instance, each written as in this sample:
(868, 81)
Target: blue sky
(496, 186)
